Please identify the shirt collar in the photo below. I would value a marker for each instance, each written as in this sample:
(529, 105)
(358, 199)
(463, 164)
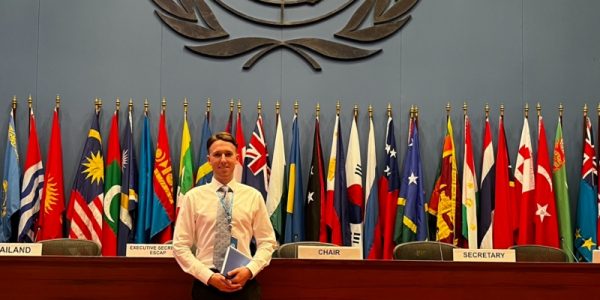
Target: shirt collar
(216, 185)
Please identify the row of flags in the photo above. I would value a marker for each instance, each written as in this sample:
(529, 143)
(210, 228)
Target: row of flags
(117, 199)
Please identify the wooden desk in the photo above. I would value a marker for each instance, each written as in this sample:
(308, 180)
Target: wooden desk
(143, 278)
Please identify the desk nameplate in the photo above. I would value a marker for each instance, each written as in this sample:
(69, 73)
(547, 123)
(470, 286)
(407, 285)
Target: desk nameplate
(149, 250)
(337, 252)
(596, 256)
(484, 255)
(20, 249)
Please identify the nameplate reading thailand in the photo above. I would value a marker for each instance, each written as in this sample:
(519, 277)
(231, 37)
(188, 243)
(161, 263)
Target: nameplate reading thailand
(485, 255)
(596, 256)
(19, 249)
(319, 252)
(149, 250)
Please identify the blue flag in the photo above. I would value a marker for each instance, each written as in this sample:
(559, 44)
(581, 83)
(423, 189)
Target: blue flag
(204, 174)
(294, 221)
(257, 169)
(411, 191)
(129, 197)
(145, 193)
(11, 196)
(587, 206)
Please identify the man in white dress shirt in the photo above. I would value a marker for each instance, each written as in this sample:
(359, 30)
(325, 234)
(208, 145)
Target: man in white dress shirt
(247, 218)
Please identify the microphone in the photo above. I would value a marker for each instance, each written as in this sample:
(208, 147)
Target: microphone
(568, 250)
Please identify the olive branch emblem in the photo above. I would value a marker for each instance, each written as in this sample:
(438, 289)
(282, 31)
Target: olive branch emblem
(195, 20)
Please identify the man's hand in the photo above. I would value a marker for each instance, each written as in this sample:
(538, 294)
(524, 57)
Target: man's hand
(240, 275)
(223, 284)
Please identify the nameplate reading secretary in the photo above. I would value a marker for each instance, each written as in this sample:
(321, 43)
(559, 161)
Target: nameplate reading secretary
(484, 255)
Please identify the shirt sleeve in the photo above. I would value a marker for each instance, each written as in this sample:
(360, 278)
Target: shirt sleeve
(183, 239)
(264, 236)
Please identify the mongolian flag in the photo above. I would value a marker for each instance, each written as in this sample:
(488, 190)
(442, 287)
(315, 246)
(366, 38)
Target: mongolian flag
(354, 186)
(145, 201)
(86, 202)
(11, 182)
(257, 168)
(315, 192)
(587, 207)
(204, 174)
(411, 193)
(276, 194)
(294, 222)
(112, 190)
(129, 197)
(486, 191)
(33, 182)
(50, 222)
(444, 206)
(545, 217)
(163, 206)
(389, 188)
(522, 207)
(372, 240)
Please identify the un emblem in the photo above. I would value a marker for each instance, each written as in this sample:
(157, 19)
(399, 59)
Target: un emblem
(371, 21)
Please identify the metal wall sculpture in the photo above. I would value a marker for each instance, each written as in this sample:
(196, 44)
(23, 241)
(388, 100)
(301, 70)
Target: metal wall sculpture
(373, 20)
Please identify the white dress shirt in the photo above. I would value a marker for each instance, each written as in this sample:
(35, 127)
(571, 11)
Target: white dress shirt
(196, 226)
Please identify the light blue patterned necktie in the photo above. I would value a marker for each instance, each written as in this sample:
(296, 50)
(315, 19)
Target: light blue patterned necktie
(222, 227)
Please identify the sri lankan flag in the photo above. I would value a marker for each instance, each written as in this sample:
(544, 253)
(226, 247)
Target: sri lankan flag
(444, 209)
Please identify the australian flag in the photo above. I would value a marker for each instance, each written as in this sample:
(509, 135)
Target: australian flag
(257, 168)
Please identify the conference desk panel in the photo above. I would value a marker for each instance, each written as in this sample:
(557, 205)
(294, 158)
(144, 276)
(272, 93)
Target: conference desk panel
(148, 278)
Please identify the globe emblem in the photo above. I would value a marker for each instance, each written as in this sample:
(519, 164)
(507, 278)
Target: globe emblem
(281, 13)
(371, 21)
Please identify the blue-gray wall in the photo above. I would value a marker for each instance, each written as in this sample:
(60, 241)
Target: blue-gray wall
(479, 51)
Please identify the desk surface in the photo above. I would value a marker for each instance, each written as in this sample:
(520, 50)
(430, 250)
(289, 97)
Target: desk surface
(146, 278)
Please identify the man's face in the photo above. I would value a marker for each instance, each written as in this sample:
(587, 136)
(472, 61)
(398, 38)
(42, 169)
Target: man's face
(222, 156)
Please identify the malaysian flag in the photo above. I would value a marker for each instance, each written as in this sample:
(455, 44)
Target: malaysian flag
(87, 194)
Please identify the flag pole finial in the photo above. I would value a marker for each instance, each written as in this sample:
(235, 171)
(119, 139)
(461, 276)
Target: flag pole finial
(598, 109)
(185, 106)
(487, 110)
(502, 110)
(356, 111)
(239, 105)
(585, 110)
(231, 104)
(146, 106)
(448, 107)
(526, 110)
(57, 101)
(296, 106)
(277, 106)
(318, 109)
(538, 108)
(370, 109)
(14, 102)
(118, 104)
(163, 104)
(561, 109)
(412, 111)
(465, 107)
(29, 101)
(130, 105)
(208, 104)
(389, 110)
(338, 108)
(259, 106)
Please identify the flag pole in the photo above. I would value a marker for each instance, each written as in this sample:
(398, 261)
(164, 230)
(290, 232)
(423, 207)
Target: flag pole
(130, 105)
(538, 107)
(370, 112)
(57, 107)
(163, 104)
(560, 113)
(259, 107)
(208, 105)
(185, 108)
(526, 110)
(389, 110)
(487, 110)
(14, 107)
(29, 105)
(146, 107)
(448, 111)
(356, 112)
(318, 110)
(118, 105)
(296, 107)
